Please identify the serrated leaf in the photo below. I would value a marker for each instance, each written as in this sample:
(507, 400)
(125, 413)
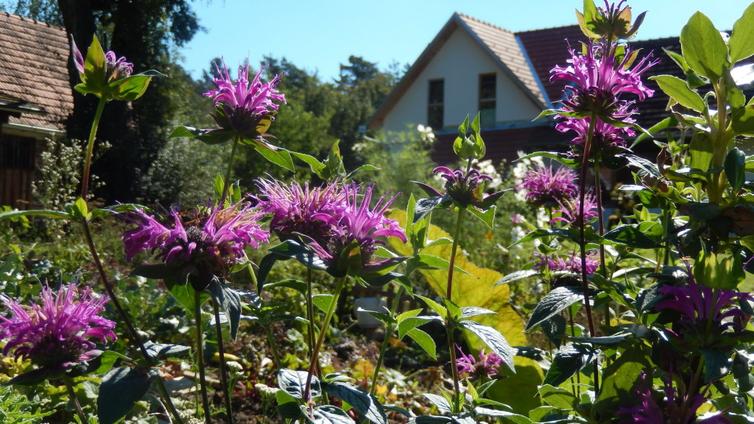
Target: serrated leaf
(230, 301)
(569, 360)
(121, 388)
(555, 301)
(364, 403)
(494, 340)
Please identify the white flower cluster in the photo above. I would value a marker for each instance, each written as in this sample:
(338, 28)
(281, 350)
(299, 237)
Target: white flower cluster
(426, 135)
(486, 167)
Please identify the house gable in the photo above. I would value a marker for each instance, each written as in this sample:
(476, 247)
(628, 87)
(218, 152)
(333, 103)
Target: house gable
(464, 49)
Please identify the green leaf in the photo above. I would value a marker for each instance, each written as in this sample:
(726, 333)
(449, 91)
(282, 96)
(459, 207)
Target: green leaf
(162, 351)
(121, 388)
(288, 249)
(79, 210)
(474, 311)
(130, 88)
(494, 340)
(511, 417)
(741, 42)
(364, 403)
(424, 341)
(439, 309)
(555, 301)
(569, 360)
(630, 235)
(425, 206)
(293, 382)
(487, 216)
(94, 68)
(34, 377)
(700, 150)
(722, 270)
(440, 402)
(703, 47)
(558, 397)
(407, 324)
(208, 136)
(735, 168)
(743, 119)
(619, 381)
(276, 155)
(587, 18)
(314, 164)
(41, 213)
(328, 414)
(517, 275)
(230, 301)
(717, 364)
(323, 301)
(678, 90)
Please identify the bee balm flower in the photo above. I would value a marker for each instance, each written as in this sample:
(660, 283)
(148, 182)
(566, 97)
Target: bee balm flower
(61, 331)
(242, 105)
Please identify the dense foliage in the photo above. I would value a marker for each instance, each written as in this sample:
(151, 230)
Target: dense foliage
(231, 305)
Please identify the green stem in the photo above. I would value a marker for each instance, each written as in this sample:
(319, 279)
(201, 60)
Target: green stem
(223, 368)
(75, 401)
(449, 295)
(228, 173)
(388, 332)
(200, 356)
(318, 346)
(577, 388)
(310, 312)
(601, 225)
(273, 345)
(168, 402)
(90, 148)
(582, 238)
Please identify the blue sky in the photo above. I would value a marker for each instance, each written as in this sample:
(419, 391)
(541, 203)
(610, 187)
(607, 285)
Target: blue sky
(318, 35)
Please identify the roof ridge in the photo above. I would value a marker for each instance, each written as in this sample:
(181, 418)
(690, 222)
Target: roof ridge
(489, 24)
(31, 20)
(547, 28)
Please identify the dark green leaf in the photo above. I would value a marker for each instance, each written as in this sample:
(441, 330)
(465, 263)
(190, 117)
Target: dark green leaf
(553, 302)
(230, 301)
(328, 414)
(293, 382)
(129, 88)
(276, 155)
(442, 404)
(557, 397)
(162, 351)
(569, 360)
(364, 403)
(288, 249)
(717, 364)
(517, 275)
(426, 205)
(555, 329)
(630, 235)
(618, 385)
(494, 340)
(34, 377)
(424, 340)
(487, 216)
(735, 164)
(121, 388)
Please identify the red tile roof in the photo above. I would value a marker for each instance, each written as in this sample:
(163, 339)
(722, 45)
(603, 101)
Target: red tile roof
(34, 70)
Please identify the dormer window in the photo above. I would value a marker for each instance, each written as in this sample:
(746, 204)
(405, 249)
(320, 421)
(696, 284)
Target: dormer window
(436, 108)
(487, 99)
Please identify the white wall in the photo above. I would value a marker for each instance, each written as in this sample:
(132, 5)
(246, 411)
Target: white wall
(459, 62)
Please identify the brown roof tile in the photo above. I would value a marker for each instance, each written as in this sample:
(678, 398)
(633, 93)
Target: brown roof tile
(34, 69)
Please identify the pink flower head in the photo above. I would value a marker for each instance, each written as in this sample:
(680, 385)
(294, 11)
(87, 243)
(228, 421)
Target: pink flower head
(597, 83)
(570, 263)
(359, 225)
(242, 104)
(605, 135)
(61, 331)
(547, 187)
(568, 211)
(214, 239)
(115, 67)
(646, 410)
(482, 366)
(465, 188)
(701, 306)
(301, 210)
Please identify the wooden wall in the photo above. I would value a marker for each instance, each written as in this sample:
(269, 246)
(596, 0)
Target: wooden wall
(17, 163)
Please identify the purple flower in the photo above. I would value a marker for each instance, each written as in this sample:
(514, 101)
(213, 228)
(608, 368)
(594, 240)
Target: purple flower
(358, 228)
(568, 211)
(605, 135)
(115, 67)
(597, 82)
(301, 210)
(482, 366)
(465, 188)
(646, 411)
(61, 331)
(214, 240)
(700, 306)
(243, 104)
(570, 263)
(547, 187)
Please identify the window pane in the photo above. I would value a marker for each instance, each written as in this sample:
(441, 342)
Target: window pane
(435, 107)
(487, 83)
